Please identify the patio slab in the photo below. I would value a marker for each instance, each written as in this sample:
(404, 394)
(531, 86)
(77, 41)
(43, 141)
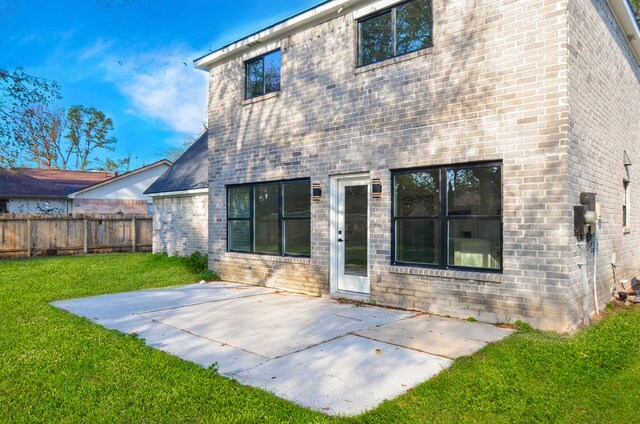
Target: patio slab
(440, 336)
(334, 357)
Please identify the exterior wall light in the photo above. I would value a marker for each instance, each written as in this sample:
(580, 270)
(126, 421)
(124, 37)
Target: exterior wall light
(376, 188)
(317, 192)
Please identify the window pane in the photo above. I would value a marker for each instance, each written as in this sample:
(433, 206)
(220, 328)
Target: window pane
(417, 194)
(239, 236)
(356, 249)
(474, 243)
(474, 191)
(272, 72)
(376, 39)
(255, 78)
(297, 237)
(418, 241)
(238, 202)
(266, 220)
(297, 200)
(413, 26)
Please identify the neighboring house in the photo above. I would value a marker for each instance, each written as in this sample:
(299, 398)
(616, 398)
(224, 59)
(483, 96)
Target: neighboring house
(449, 142)
(55, 191)
(122, 193)
(180, 200)
(43, 190)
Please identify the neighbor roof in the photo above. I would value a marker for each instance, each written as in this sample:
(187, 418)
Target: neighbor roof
(17, 184)
(69, 181)
(189, 172)
(117, 177)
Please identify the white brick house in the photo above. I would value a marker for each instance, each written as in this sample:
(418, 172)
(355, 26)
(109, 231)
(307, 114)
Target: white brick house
(450, 141)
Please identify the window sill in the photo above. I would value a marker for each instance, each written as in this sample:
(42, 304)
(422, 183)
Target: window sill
(484, 277)
(267, 258)
(393, 61)
(261, 98)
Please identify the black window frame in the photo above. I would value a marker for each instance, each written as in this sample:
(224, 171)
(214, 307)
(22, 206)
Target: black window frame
(281, 217)
(445, 218)
(393, 10)
(4, 206)
(264, 80)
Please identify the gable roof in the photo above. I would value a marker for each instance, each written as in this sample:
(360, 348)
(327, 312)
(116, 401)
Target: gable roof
(121, 177)
(16, 184)
(67, 181)
(189, 172)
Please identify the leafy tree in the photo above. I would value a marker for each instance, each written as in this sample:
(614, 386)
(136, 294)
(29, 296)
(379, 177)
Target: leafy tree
(88, 131)
(21, 94)
(635, 5)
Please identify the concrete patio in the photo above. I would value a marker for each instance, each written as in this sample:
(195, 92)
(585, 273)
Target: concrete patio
(341, 359)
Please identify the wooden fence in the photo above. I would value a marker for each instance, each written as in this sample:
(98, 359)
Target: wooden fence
(50, 235)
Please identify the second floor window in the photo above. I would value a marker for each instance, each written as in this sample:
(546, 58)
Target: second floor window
(402, 29)
(263, 75)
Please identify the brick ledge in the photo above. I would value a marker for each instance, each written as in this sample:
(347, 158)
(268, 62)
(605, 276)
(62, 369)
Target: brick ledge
(446, 273)
(266, 258)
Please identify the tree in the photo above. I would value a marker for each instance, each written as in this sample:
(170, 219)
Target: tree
(20, 92)
(635, 5)
(88, 131)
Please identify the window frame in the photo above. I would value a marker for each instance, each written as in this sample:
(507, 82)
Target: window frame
(248, 62)
(393, 11)
(4, 206)
(281, 218)
(445, 218)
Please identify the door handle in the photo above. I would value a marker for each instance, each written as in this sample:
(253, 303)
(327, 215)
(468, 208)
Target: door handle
(339, 240)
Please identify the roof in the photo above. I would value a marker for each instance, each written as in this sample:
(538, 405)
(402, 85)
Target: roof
(16, 184)
(120, 177)
(189, 172)
(334, 8)
(68, 181)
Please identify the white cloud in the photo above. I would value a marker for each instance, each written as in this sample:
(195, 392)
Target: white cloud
(162, 87)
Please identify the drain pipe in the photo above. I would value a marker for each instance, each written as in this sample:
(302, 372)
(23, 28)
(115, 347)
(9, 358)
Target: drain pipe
(594, 242)
(582, 245)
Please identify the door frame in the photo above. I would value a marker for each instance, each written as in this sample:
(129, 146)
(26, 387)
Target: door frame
(334, 196)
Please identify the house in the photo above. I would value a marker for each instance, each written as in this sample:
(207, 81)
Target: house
(43, 190)
(122, 193)
(429, 154)
(56, 191)
(180, 201)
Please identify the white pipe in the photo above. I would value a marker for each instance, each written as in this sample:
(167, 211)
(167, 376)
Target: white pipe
(595, 271)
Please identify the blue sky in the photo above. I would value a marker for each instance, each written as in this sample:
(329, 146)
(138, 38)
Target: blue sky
(132, 59)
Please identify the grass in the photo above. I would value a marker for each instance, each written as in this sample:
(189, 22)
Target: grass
(61, 368)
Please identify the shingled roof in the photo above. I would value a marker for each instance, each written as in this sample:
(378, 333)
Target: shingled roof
(69, 181)
(189, 172)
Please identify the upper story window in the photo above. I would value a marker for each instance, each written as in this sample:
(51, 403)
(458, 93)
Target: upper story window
(263, 75)
(398, 30)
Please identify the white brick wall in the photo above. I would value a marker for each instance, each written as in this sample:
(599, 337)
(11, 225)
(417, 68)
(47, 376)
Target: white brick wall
(180, 224)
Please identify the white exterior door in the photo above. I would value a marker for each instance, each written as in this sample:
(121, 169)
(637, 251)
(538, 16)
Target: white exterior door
(351, 235)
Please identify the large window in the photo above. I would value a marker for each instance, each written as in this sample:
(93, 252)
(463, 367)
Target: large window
(448, 217)
(399, 30)
(272, 218)
(263, 75)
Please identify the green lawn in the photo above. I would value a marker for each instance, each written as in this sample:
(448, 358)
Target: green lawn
(55, 367)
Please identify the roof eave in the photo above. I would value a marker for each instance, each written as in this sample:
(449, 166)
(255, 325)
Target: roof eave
(179, 193)
(626, 19)
(279, 30)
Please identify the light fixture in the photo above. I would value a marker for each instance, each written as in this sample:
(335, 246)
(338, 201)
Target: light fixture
(317, 192)
(376, 188)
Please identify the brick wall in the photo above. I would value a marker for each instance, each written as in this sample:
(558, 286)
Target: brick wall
(180, 224)
(109, 206)
(493, 88)
(604, 88)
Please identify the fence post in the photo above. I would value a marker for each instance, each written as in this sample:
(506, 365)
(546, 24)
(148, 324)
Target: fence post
(28, 237)
(133, 235)
(85, 245)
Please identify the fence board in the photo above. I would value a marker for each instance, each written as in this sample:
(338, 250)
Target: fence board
(47, 235)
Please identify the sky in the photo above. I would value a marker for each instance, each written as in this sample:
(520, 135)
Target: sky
(132, 59)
